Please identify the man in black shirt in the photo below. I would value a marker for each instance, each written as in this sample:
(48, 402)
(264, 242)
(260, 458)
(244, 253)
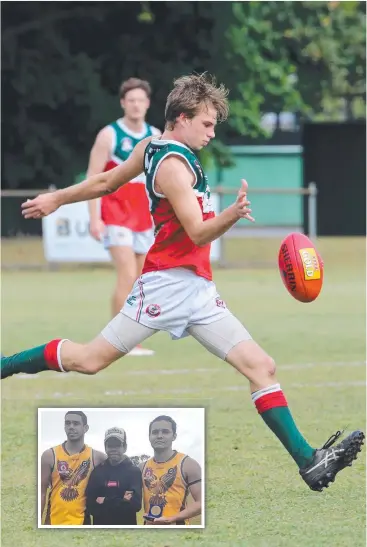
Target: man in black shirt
(114, 490)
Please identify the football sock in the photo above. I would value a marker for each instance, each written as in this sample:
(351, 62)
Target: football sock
(31, 361)
(273, 408)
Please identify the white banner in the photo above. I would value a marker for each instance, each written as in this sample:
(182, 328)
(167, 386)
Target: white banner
(66, 236)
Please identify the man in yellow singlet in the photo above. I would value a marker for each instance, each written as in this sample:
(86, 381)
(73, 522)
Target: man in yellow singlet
(65, 471)
(168, 478)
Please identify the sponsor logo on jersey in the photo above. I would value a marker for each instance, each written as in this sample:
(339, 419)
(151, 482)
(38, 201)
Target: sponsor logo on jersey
(127, 144)
(153, 310)
(112, 484)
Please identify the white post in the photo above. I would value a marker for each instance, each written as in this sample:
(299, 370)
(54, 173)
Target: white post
(312, 210)
(222, 259)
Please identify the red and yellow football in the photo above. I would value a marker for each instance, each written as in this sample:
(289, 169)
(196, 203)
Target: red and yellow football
(301, 267)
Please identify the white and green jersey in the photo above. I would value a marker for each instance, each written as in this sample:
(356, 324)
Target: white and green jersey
(173, 248)
(128, 207)
(123, 143)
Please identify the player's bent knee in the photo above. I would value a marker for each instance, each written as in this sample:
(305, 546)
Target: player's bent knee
(262, 370)
(264, 365)
(261, 367)
(91, 368)
(249, 359)
(269, 366)
(89, 358)
(88, 366)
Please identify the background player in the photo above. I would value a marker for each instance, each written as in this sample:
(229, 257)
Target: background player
(65, 471)
(176, 292)
(122, 219)
(169, 476)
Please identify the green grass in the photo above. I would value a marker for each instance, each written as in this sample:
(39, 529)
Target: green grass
(254, 495)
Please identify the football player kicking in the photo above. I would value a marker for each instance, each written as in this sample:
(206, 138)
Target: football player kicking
(175, 292)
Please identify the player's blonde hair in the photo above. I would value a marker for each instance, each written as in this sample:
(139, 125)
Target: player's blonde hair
(191, 92)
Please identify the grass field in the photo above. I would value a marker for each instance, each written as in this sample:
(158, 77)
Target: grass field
(255, 497)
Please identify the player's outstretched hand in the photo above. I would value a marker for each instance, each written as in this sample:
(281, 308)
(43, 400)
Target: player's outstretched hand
(97, 229)
(242, 203)
(41, 206)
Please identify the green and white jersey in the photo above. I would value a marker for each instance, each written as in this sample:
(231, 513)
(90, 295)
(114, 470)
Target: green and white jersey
(157, 151)
(172, 247)
(124, 141)
(129, 205)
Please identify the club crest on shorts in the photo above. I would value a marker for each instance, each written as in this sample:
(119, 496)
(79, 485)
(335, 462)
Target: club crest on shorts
(153, 310)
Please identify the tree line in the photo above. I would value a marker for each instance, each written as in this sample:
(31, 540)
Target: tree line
(62, 63)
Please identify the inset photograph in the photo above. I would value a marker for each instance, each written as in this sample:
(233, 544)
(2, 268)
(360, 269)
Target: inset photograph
(121, 467)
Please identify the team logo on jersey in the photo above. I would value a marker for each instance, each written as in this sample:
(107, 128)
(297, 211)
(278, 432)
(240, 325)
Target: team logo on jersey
(153, 310)
(158, 486)
(71, 480)
(127, 144)
(220, 303)
(62, 467)
(148, 472)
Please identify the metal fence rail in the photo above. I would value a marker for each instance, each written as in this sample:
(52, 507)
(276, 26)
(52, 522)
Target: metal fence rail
(310, 192)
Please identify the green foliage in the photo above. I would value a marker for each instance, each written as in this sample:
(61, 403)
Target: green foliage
(216, 154)
(62, 67)
(307, 57)
(52, 93)
(62, 64)
(146, 15)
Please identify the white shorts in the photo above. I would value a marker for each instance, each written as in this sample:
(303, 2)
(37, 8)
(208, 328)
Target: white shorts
(181, 303)
(174, 300)
(119, 236)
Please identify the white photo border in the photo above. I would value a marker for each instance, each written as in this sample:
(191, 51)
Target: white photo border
(159, 410)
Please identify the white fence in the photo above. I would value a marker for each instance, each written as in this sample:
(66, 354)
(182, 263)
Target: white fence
(66, 237)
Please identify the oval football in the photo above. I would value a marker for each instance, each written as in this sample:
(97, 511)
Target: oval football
(301, 267)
